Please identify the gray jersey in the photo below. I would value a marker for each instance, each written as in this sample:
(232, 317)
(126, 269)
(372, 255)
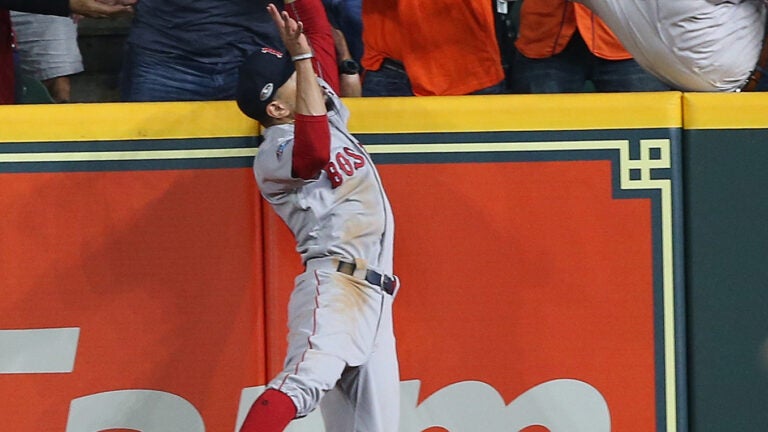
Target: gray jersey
(694, 45)
(345, 211)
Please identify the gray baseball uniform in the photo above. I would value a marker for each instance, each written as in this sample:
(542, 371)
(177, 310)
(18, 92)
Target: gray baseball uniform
(341, 340)
(693, 45)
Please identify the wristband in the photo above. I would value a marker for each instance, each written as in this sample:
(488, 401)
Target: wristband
(304, 56)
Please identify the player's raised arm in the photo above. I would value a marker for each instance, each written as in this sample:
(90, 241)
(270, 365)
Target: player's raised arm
(311, 149)
(310, 99)
(319, 32)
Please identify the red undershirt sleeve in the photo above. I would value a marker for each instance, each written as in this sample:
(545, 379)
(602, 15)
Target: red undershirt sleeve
(311, 146)
(319, 32)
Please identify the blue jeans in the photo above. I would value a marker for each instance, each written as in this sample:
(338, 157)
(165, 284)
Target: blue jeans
(570, 70)
(762, 84)
(390, 80)
(154, 76)
(387, 81)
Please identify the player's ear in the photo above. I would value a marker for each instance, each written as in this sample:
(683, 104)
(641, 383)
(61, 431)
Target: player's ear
(277, 110)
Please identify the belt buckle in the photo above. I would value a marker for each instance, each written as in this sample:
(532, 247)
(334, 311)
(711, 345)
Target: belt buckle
(348, 268)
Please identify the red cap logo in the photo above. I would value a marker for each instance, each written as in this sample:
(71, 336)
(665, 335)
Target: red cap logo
(274, 52)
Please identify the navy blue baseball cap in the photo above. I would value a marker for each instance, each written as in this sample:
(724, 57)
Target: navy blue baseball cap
(261, 74)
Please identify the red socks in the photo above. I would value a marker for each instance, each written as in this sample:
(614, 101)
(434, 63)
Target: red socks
(271, 412)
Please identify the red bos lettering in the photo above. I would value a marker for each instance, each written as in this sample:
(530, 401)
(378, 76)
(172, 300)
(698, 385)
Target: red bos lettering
(345, 162)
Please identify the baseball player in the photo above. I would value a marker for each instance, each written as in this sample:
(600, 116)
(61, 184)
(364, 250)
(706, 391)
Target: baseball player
(323, 184)
(693, 45)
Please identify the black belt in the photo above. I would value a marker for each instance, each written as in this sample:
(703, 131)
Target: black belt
(760, 67)
(392, 64)
(386, 283)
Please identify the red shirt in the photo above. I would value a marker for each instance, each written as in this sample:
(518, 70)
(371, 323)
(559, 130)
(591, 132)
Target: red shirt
(319, 34)
(7, 84)
(546, 27)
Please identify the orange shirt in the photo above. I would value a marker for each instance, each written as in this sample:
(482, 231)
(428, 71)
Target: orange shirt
(546, 26)
(448, 47)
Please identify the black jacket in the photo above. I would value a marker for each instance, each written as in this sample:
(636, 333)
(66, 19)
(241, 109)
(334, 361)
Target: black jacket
(47, 7)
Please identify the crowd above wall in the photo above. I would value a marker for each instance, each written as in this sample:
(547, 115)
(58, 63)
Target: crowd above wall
(177, 51)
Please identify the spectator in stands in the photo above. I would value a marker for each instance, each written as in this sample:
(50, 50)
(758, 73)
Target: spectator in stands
(180, 50)
(349, 69)
(89, 8)
(347, 17)
(48, 51)
(424, 48)
(562, 46)
(694, 45)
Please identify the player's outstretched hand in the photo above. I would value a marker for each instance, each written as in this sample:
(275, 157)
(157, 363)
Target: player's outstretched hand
(291, 31)
(101, 8)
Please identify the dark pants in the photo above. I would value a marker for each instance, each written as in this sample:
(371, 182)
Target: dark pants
(392, 80)
(572, 69)
(762, 85)
(389, 80)
(153, 76)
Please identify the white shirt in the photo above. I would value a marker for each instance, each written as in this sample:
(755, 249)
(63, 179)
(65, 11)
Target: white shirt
(693, 45)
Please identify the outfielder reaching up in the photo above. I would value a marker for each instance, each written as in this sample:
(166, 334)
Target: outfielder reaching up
(323, 184)
(693, 45)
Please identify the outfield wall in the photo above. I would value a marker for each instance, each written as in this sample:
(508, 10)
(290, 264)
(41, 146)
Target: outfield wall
(726, 149)
(539, 241)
